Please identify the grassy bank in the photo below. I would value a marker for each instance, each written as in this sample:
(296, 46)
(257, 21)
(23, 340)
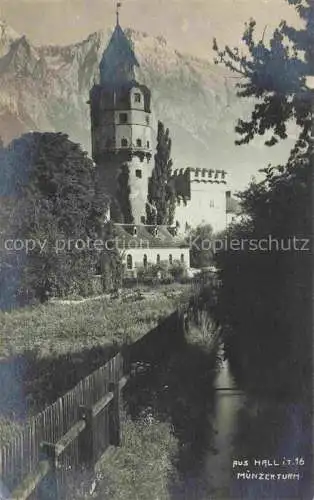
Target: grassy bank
(46, 350)
(143, 466)
(167, 425)
(168, 430)
(60, 327)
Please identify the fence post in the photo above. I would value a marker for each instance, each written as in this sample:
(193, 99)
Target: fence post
(86, 438)
(49, 488)
(115, 415)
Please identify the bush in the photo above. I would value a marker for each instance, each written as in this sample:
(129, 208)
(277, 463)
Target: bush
(177, 270)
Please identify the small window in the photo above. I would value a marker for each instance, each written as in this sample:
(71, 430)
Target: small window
(145, 261)
(137, 97)
(134, 231)
(147, 119)
(123, 117)
(147, 144)
(129, 262)
(124, 143)
(139, 142)
(170, 259)
(158, 259)
(182, 257)
(211, 204)
(138, 173)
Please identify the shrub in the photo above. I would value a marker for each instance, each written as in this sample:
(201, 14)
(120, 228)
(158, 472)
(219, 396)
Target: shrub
(177, 270)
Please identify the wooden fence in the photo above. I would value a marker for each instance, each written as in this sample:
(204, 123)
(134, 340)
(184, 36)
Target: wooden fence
(65, 441)
(68, 436)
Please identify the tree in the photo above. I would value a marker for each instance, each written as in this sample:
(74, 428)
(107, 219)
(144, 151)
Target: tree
(124, 212)
(161, 199)
(265, 295)
(200, 240)
(50, 184)
(111, 260)
(276, 75)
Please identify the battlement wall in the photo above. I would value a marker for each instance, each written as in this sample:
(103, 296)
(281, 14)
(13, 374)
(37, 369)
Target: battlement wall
(208, 175)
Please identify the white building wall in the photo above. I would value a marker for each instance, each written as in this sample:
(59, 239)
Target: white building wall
(151, 253)
(206, 206)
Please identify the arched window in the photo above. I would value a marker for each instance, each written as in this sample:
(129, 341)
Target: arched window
(182, 257)
(145, 260)
(124, 142)
(158, 259)
(170, 259)
(139, 142)
(129, 262)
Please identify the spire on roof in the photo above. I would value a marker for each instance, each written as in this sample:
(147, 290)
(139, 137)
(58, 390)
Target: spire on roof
(119, 5)
(118, 61)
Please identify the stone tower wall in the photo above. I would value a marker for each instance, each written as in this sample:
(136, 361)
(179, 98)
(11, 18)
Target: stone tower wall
(121, 136)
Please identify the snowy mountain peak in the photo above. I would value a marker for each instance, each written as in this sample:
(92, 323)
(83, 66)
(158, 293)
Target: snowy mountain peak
(7, 36)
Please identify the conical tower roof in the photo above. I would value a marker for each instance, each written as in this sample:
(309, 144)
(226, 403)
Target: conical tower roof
(118, 62)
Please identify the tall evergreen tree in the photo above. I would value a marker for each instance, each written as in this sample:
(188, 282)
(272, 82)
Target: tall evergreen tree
(160, 208)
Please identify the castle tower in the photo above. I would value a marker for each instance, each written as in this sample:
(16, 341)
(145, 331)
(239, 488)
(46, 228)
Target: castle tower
(121, 130)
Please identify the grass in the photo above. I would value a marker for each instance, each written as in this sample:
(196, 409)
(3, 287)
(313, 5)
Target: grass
(8, 430)
(59, 328)
(143, 467)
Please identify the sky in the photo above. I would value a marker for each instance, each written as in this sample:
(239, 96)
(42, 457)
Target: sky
(189, 25)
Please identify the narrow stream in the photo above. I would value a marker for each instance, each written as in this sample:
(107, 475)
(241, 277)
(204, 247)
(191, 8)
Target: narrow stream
(229, 401)
(247, 430)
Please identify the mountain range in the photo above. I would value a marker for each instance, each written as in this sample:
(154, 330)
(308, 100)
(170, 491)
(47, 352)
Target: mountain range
(46, 88)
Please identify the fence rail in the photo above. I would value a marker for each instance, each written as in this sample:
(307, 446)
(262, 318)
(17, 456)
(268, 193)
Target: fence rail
(70, 436)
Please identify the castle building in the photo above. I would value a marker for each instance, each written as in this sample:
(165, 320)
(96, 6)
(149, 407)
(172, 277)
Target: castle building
(120, 109)
(202, 198)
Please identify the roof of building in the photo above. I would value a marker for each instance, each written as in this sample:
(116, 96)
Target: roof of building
(130, 236)
(118, 60)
